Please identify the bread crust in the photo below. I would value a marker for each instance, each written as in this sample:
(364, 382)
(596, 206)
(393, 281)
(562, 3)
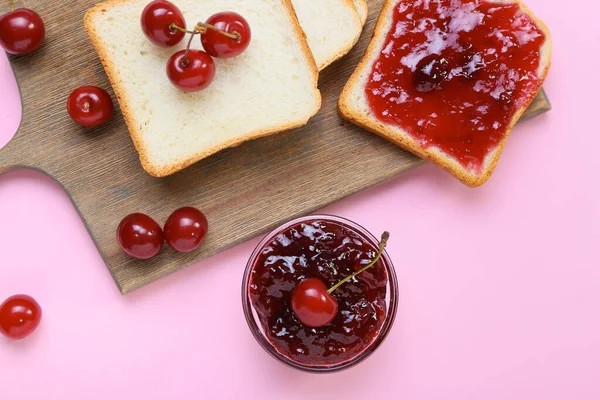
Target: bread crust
(125, 104)
(403, 139)
(362, 7)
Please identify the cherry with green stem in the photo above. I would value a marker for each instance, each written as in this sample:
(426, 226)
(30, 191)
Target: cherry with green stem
(314, 304)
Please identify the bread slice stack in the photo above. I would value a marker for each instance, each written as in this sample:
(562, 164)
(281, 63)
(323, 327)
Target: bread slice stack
(354, 105)
(332, 27)
(271, 87)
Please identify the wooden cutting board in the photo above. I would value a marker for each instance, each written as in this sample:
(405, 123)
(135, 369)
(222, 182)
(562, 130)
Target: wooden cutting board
(244, 191)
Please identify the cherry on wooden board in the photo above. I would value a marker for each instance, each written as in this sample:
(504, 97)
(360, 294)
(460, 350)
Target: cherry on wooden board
(140, 236)
(90, 106)
(185, 229)
(22, 31)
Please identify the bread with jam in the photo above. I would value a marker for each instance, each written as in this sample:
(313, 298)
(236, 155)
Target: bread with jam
(448, 79)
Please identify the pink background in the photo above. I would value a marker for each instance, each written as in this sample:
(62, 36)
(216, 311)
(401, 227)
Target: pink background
(499, 286)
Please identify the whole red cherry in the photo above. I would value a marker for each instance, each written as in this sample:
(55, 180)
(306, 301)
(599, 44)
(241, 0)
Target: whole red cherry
(90, 106)
(185, 229)
(218, 45)
(20, 315)
(157, 22)
(140, 236)
(312, 304)
(22, 31)
(192, 73)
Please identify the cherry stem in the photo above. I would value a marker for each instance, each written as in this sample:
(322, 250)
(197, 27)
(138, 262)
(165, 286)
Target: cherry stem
(175, 27)
(203, 27)
(185, 60)
(382, 244)
(12, 5)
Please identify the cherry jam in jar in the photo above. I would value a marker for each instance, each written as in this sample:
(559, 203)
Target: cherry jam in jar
(329, 248)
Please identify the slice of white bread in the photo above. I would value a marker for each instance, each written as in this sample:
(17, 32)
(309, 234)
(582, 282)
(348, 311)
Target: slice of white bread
(332, 28)
(271, 87)
(353, 103)
(363, 10)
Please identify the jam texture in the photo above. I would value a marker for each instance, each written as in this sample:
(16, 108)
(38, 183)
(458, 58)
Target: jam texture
(328, 251)
(452, 73)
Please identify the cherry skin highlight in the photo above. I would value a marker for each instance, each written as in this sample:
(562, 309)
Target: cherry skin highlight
(22, 31)
(312, 304)
(20, 315)
(192, 73)
(140, 236)
(90, 106)
(157, 20)
(185, 229)
(218, 45)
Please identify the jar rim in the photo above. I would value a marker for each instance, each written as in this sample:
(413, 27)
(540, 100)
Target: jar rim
(391, 297)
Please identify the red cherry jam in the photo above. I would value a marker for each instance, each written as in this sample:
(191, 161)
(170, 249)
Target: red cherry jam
(329, 251)
(453, 72)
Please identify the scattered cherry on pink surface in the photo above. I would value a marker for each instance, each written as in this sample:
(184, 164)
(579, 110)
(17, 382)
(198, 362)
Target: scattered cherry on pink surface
(185, 229)
(191, 70)
(90, 106)
(20, 315)
(314, 304)
(219, 45)
(159, 20)
(140, 236)
(22, 31)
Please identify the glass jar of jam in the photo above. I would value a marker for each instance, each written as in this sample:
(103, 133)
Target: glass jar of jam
(328, 248)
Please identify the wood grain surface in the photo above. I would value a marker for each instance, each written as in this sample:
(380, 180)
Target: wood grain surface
(244, 191)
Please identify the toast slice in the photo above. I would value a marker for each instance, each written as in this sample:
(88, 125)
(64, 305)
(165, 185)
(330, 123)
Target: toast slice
(356, 104)
(363, 10)
(271, 87)
(332, 28)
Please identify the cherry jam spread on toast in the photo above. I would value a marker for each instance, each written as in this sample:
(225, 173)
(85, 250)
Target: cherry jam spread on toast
(329, 251)
(452, 73)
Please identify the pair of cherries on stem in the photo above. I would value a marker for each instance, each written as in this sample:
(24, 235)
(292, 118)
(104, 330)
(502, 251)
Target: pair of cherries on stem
(141, 237)
(22, 31)
(314, 304)
(223, 35)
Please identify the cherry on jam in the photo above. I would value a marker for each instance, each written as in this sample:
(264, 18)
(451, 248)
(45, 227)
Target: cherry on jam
(451, 73)
(329, 251)
(312, 304)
